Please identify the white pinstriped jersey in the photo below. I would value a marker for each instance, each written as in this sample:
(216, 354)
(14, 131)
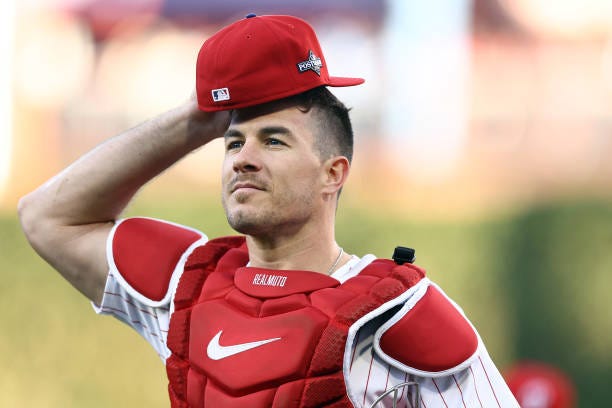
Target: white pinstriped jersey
(479, 385)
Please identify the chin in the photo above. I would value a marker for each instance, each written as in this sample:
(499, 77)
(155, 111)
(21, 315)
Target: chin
(244, 223)
(251, 229)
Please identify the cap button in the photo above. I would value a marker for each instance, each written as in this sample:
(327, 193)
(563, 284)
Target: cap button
(251, 15)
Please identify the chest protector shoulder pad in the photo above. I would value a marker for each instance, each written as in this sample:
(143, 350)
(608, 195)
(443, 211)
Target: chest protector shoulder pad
(267, 338)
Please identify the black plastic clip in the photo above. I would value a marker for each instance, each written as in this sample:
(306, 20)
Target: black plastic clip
(402, 255)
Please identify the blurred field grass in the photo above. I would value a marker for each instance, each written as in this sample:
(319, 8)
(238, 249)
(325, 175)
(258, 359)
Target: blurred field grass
(534, 282)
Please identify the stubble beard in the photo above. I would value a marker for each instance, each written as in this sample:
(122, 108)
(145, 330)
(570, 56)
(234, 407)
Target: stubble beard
(282, 216)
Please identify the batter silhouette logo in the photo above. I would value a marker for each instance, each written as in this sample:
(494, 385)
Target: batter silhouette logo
(221, 94)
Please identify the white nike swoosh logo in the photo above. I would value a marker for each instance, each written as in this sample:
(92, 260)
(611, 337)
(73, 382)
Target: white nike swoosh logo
(216, 351)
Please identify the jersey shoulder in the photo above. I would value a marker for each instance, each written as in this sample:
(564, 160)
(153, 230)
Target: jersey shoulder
(147, 255)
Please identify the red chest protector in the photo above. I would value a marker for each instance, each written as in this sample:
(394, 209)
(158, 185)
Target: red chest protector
(250, 337)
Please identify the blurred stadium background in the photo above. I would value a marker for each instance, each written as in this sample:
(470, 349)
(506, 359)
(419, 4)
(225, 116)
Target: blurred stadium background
(484, 138)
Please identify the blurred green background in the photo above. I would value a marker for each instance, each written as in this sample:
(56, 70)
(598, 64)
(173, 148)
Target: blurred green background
(535, 282)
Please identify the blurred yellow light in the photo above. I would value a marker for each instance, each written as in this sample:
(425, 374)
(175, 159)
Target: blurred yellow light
(147, 73)
(567, 18)
(53, 60)
(7, 30)
(606, 66)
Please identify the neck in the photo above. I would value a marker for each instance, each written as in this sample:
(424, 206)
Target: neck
(310, 252)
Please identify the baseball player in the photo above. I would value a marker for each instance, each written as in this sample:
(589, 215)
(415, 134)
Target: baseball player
(279, 316)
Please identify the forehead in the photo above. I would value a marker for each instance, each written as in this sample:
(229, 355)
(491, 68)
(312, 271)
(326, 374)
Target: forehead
(277, 114)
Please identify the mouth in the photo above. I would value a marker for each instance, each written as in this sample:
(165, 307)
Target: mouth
(245, 186)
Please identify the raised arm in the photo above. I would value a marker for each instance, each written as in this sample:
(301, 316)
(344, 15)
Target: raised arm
(67, 219)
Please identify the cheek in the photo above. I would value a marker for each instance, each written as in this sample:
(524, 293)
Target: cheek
(304, 179)
(226, 171)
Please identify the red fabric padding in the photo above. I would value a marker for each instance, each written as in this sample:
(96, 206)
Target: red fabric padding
(177, 369)
(146, 252)
(299, 362)
(217, 398)
(319, 392)
(433, 336)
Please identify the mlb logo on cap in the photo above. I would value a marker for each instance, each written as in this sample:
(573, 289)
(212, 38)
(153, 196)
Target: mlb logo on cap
(221, 94)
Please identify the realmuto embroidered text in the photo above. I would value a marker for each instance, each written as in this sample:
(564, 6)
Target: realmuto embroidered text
(262, 279)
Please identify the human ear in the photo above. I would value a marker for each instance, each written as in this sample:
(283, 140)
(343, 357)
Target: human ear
(336, 171)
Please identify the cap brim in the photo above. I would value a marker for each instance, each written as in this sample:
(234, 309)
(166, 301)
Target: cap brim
(344, 81)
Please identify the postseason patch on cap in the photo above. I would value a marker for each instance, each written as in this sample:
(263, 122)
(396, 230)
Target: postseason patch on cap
(313, 63)
(221, 94)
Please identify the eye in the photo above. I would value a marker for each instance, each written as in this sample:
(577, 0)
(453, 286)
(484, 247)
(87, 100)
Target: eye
(274, 142)
(234, 144)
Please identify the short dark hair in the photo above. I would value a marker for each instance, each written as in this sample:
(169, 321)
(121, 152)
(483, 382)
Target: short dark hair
(334, 136)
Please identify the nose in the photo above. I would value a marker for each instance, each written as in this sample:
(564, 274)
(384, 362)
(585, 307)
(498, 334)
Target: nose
(247, 159)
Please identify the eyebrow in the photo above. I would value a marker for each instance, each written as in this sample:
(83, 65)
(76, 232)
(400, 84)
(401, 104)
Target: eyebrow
(232, 133)
(268, 130)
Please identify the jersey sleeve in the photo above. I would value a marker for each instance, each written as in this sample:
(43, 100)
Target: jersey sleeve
(151, 322)
(147, 256)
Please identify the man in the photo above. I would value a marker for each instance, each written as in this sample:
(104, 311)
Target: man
(280, 316)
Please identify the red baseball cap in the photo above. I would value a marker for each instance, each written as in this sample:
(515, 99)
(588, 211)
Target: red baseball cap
(260, 59)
